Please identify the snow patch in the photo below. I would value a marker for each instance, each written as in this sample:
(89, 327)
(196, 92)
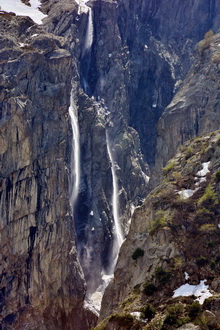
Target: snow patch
(137, 315)
(19, 8)
(184, 194)
(201, 291)
(205, 169)
(186, 276)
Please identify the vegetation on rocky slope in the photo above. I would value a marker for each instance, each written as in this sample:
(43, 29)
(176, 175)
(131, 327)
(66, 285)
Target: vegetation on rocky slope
(185, 206)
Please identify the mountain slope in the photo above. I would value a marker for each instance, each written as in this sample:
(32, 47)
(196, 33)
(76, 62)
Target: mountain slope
(174, 240)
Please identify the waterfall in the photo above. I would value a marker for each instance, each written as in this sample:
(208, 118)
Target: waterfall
(118, 234)
(95, 299)
(89, 32)
(85, 62)
(75, 158)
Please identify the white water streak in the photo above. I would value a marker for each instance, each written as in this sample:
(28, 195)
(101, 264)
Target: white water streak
(118, 235)
(75, 159)
(89, 31)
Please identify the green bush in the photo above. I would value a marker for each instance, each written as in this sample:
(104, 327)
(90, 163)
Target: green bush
(206, 42)
(202, 261)
(188, 153)
(137, 253)
(159, 221)
(148, 312)
(194, 309)
(175, 316)
(149, 289)
(209, 197)
(163, 276)
(217, 176)
(123, 319)
(170, 166)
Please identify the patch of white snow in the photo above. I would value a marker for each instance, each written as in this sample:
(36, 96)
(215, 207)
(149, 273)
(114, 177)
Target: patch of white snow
(20, 9)
(186, 276)
(137, 315)
(201, 291)
(184, 194)
(205, 169)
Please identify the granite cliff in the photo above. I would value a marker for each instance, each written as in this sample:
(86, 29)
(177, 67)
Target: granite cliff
(42, 283)
(137, 94)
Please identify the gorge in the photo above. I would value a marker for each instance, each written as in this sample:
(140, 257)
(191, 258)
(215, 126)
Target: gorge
(96, 97)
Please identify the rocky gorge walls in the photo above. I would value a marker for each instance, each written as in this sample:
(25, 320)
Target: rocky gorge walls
(120, 62)
(131, 58)
(194, 111)
(94, 216)
(42, 284)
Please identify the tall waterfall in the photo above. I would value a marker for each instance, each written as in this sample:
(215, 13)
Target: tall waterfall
(118, 234)
(89, 32)
(75, 158)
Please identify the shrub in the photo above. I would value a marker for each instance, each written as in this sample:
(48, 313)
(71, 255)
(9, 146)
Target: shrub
(123, 319)
(149, 289)
(194, 309)
(163, 276)
(137, 253)
(148, 312)
(216, 58)
(188, 153)
(159, 221)
(170, 166)
(217, 176)
(206, 42)
(209, 197)
(208, 227)
(202, 261)
(174, 316)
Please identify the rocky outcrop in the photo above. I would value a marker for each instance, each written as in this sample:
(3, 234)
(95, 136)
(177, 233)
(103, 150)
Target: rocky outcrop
(130, 76)
(194, 111)
(42, 284)
(174, 240)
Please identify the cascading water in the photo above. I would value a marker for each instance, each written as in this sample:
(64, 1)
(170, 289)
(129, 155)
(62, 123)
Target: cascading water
(117, 230)
(85, 62)
(75, 159)
(96, 298)
(89, 33)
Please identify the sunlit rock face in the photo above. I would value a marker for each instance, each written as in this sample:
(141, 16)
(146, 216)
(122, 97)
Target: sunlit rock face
(42, 284)
(123, 61)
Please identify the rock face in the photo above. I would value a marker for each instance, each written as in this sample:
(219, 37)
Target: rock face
(174, 240)
(99, 117)
(130, 76)
(194, 111)
(42, 284)
(121, 83)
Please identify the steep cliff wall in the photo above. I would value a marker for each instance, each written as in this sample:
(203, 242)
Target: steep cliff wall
(194, 110)
(138, 54)
(42, 285)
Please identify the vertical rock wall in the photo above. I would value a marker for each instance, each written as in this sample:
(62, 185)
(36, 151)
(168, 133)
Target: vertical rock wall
(42, 284)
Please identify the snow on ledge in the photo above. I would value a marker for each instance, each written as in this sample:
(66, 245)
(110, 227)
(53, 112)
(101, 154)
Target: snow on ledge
(184, 194)
(205, 169)
(201, 291)
(20, 9)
